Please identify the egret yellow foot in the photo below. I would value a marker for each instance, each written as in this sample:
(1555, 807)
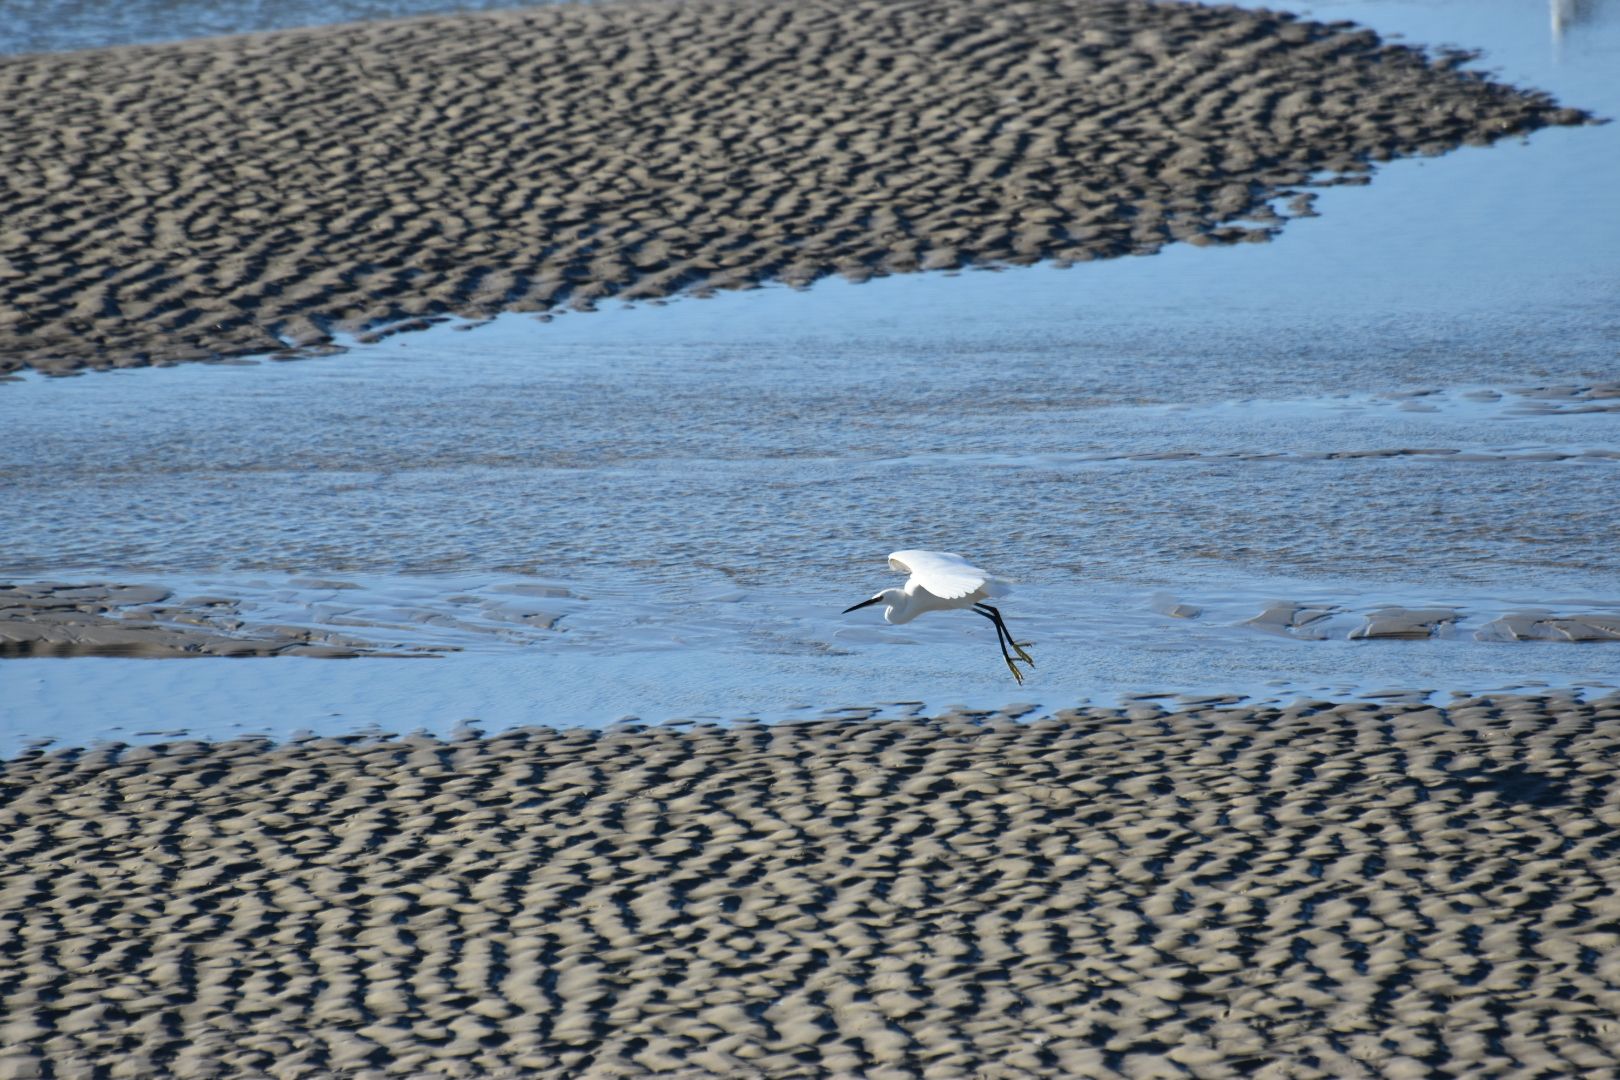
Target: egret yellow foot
(1012, 667)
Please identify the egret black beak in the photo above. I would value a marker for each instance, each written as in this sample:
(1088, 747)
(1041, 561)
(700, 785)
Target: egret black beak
(863, 603)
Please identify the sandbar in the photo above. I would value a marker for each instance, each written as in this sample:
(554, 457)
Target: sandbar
(268, 192)
(1323, 889)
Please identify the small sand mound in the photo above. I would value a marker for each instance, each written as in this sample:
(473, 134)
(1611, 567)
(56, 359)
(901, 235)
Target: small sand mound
(247, 194)
(1352, 890)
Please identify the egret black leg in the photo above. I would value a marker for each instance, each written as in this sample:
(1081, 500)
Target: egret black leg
(1001, 630)
(1001, 634)
(1001, 641)
(1001, 625)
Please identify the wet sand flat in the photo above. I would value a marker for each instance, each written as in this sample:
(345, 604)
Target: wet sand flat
(75, 620)
(1318, 890)
(255, 193)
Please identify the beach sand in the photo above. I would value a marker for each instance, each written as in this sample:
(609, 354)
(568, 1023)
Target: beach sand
(258, 193)
(1318, 890)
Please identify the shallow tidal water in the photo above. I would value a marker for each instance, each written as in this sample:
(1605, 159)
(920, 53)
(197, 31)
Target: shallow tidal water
(29, 26)
(1410, 401)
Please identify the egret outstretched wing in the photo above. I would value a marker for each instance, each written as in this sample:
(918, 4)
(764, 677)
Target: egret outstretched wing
(945, 574)
(944, 581)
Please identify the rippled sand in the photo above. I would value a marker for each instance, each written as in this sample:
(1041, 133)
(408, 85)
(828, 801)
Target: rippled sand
(1318, 890)
(251, 193)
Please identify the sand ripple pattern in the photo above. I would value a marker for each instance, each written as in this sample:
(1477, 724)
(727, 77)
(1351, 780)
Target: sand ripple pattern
(173, 202)
(1320, 890)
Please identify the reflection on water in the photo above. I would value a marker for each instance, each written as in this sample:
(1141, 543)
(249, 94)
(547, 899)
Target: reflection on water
(1571, 13)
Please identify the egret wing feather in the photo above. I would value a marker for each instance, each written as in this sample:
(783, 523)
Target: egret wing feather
(945, 574)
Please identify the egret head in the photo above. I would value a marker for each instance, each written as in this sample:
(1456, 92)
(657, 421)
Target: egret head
(894, 598)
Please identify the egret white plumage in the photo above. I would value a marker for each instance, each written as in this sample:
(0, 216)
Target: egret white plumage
(943, 581)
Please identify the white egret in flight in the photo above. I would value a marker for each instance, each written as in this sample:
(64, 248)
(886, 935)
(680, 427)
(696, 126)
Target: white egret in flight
(941, 581)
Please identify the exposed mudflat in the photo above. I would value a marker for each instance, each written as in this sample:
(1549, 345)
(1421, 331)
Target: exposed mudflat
(66, 620)
(1350, 890)
(248, 194)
